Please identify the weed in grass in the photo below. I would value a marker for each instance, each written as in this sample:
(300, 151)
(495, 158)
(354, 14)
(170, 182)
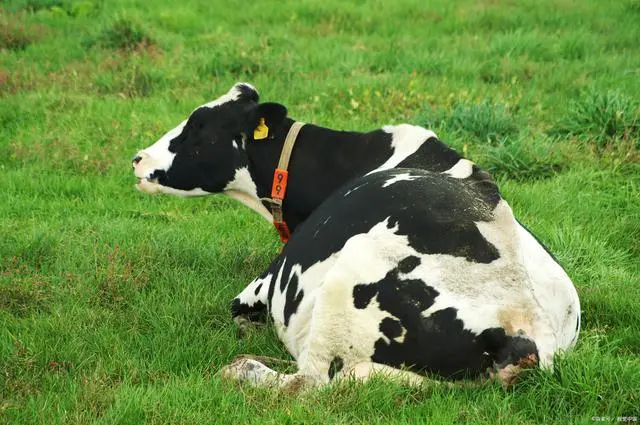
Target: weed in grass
(522, 158)
(123, 34)
(601, 118)
(483, 122)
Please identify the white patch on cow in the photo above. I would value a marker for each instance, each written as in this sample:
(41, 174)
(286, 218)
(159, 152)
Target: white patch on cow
(243, 189)
(398, 178)
(230, 96)
(552, 287)
(249, 297)
(235, 144)
(158, 156)
(461, 170)
(354, 189)
(405, 141)
(151, 188)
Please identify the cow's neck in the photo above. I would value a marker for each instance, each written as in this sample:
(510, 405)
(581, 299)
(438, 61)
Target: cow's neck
(243, 189)
(252, 182)
(263, 157)
(322, 159)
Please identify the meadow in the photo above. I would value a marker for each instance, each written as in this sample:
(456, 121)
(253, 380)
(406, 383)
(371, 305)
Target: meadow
(114, 305)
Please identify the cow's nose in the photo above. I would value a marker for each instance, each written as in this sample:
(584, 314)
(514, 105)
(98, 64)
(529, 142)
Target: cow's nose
(137, 159)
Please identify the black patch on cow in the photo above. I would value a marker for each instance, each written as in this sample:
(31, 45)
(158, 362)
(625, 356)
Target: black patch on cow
(258, 288)
(247, 92)
(391, 328)
(506, 349)
(335, 366)
(437, 343)
(159, 175)
(406, 265)
(362, 295)
(321, 162)
(293, 298)
(255, 313)
(414, 291)
(432, 155)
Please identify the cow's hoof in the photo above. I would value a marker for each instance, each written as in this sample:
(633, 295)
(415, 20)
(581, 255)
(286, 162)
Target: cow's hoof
(246, 326)
(509, 374)
(240, 369)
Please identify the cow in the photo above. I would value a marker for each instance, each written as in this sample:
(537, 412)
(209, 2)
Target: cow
(218, 150)
(408, 272)
(417, 252)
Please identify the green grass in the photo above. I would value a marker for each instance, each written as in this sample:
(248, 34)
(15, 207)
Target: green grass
(114, 305)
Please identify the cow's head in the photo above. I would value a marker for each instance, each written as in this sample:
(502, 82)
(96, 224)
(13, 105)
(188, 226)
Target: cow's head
(206, 153)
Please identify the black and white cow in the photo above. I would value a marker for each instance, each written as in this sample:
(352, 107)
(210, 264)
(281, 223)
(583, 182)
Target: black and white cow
(214, 151)
(417, 263)
(406, 272)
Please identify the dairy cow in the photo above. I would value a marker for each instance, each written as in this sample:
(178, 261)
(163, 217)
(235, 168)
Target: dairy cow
(416, 265)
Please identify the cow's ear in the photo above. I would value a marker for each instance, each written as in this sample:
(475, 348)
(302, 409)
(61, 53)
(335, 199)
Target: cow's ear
(245, 91)
(266, 117)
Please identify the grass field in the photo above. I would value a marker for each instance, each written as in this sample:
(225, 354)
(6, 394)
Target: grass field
(114, 306)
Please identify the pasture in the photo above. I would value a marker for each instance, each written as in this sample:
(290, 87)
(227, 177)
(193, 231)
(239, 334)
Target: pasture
(114, 305)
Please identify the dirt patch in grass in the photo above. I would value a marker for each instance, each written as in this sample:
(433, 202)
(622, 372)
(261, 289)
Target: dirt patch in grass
(15, 379)
(16, 35)
(23, 292)
(25, 298)
(119, 278)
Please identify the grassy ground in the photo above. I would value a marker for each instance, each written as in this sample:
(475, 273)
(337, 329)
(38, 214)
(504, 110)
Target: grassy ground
(114, 306)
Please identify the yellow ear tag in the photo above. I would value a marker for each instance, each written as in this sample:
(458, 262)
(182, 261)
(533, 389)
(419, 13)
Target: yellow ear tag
(261, 131)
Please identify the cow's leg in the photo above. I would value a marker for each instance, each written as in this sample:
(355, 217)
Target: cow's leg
(366, 370)
(254, 372)
(250, 306)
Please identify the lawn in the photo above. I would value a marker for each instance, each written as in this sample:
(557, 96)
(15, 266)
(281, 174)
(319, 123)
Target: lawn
(114, 306)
